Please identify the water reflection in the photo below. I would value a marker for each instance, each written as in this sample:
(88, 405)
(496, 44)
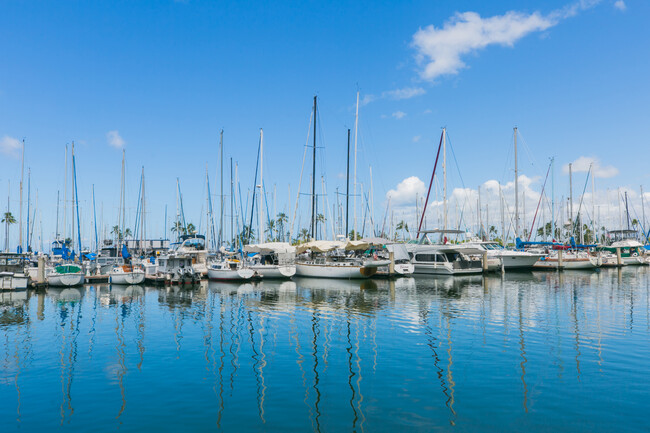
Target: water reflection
(329, 353)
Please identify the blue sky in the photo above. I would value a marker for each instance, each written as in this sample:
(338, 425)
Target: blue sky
(167, 76)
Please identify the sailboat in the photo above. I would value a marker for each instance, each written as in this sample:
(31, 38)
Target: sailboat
(69, 274)
(273, 259)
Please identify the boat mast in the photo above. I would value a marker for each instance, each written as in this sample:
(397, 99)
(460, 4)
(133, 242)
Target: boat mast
(65, 197)
(56, 236)
(643, 212)
(123, 201)
(347, 189)
(444, 177)
(516, 189)
(72, 197)
(142, 226)
(261, 186)
(313, 180)
(356, 132)
(593, 205)
(232, 197)
(571, 198)
(553, 198)
(372, 206)
(29, 184)
(221, 193)
(20, 212)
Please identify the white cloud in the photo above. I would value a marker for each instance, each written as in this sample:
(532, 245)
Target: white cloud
(417, 138)
(367, 99)
(440, 50)
(405, 192)
(399, 115)
(405, 93)
(10, 146)
(620, 5)
(583, 164)
(114, 139)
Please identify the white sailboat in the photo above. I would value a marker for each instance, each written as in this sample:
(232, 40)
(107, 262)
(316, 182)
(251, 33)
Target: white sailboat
(273, 259)
(66, 276)
(229, 268)
(332, 259)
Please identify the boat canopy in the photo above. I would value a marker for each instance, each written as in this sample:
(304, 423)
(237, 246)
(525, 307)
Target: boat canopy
(377, 241)
(356, 245)
(626, 243)
(270, 247)
(399, 251)
(320, 246)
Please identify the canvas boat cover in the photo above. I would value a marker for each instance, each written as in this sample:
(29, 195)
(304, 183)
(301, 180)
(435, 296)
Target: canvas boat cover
(270, 247)
(320, 246)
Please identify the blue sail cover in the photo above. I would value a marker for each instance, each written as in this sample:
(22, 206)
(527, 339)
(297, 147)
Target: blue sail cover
(125, 252)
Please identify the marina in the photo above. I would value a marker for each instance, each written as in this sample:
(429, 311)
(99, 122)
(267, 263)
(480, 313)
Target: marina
(354, 217)
(494, 352)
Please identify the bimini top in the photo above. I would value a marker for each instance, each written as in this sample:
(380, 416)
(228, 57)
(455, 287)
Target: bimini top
(320, 246)
(270, 247)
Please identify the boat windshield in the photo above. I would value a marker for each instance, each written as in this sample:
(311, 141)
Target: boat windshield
(493, 246)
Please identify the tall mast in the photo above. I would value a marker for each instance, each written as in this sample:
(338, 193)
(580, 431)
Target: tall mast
(142, 203)
(503, 220)
(20, 212)
(95, 221)
(372, 206)
(208, 213)
(593, 204)
(232, 197)
(72, 196)
(516, 189)
(643, 212)
(56, 234)
(356, 133)
(347, 190)
(123, 200)
(313, 181)
(627, 212)
(444, 177)
(261, 206)
(571, 197)
(221, 193)
(553, 198)
(478, 210)
(65, 197)
(29, 184)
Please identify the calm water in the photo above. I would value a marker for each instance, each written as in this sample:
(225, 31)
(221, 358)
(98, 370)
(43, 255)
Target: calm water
(526, 352)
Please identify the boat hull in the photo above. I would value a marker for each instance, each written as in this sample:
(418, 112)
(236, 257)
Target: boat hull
(511, 262)
(230, 274)
(339, 271)
(66, 280)
(444, 269)
(275, 271)
(583, 263)
(126, 278)
(12, 281)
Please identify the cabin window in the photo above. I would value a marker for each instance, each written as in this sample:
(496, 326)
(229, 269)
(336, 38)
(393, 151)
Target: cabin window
(425, 257)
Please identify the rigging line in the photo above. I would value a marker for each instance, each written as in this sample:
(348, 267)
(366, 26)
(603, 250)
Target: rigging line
(257, 164)
(302, 168)
(582, 197)
(541, 195)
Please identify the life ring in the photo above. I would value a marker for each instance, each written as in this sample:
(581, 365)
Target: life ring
(635, 254)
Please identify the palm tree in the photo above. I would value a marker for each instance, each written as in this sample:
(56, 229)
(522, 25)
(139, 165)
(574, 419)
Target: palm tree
(178, 228)
(117, 232)
(304, 235)
(281, 219)
(246, 235)
(190, 229)
(8, 219)
(320, 218)
(127, 233)
(401, 226)
(270, 228)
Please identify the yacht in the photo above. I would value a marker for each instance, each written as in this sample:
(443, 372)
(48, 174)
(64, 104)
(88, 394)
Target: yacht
(444, 258)
(66, 275)
(12, 272)
(509, 259)
(126, 274)
(273, 259)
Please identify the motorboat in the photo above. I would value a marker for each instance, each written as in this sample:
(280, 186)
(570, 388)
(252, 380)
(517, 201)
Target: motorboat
(509, 259)
(175, 268)
(12, 272)
(273, 259)
(126, 275)
(444, 258)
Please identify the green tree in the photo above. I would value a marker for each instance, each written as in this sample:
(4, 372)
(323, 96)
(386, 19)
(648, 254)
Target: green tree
(403, 226)
(127, 233)
(320, 219)
(282, 220)
(246, 235)
(354, 236)
(190, 229)
(270, 229)
(304, 235)
(117, 232)
(8, 219)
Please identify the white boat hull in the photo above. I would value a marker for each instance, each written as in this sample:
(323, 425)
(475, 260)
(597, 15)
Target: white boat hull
(572, 263)
(327, 270)
(522, 261)
(126, 278)
(11, 281)
(443, 269)
(230, 274)
(66, 280)
(275, 271)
